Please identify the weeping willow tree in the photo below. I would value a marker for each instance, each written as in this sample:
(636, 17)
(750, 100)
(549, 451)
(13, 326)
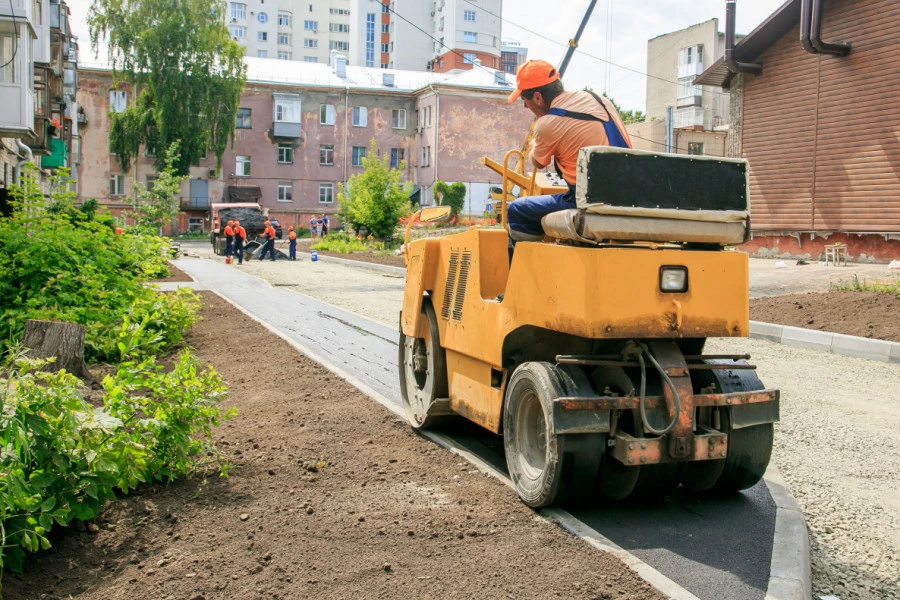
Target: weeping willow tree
(188, 73)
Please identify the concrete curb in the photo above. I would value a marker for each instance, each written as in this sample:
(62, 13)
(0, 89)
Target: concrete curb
(358, 264)
(790, 576)
(836, 343)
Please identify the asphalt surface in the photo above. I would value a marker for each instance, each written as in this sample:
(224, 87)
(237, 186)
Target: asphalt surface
(715, 548)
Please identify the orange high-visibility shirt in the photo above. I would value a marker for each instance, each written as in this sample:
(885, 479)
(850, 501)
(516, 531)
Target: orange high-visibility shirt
(292, 235)
(229, 231)
(241, 232)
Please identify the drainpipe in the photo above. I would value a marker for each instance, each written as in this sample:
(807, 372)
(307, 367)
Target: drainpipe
(29, 157)
(731, 62)
(437, 130)
(811, 31)
(346, 121)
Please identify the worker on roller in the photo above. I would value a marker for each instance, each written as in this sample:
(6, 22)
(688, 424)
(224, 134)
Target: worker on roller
(229, 238)
(240, 236)
(269, 243)
(566, 122)
(292, 243)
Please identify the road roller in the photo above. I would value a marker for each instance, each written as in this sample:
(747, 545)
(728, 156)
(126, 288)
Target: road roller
(585, 351)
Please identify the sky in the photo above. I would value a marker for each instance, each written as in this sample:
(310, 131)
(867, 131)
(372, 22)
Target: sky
(614, 64)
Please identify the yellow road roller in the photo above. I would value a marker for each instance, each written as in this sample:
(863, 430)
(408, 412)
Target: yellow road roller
(585, 351)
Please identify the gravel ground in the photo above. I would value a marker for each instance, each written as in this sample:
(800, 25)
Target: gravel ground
(838, 443)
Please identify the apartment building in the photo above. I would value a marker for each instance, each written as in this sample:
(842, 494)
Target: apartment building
(303, 130)
(39, 119)
(512, 55)
(700, 114)
(412, 35)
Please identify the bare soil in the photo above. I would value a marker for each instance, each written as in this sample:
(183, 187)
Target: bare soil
(330, 496)
(394, 260)
(176, 275)
(863, 314)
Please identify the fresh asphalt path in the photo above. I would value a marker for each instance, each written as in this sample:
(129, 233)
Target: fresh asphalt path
(714, 548)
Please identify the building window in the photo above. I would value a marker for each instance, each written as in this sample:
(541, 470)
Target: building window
(116, 185)
(385, 48)
(426, 116)
(335, 45)
(311, 59)
(338, 28)
(385, 8)
(284, 39)
(308, 43)
(242, 120)
(695, 148)
(287, 110)
(118, 101)
(326, 193)
(242, 166)
(262, 54)
(311, 25)
(469, 15)
(262, 17)
(426, 156)
(285, 191)
(398, 118)
(238, 10)
(385, 28)
(284, 55)
(284, 19)
(326, 155)
(398, 155)
(469, 58)
(360, 116)
(470, 36)
(359, 153)
(326, 114)
(262, 36)
(238, 32)
(285, 153)
(339, 11)
(370, 39)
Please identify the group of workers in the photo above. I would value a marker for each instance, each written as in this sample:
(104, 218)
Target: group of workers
(236, 236)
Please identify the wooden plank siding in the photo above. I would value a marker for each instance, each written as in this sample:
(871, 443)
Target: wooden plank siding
(822, 134)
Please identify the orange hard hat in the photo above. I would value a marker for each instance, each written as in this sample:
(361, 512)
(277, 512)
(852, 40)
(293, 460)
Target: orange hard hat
(290, 227)
(267, 223)
(533, 74)
(237, 222)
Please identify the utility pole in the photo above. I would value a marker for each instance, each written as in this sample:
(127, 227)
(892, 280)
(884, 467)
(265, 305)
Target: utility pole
(669, 129)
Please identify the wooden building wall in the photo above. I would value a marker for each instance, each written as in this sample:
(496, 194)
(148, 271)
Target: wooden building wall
(822, 134)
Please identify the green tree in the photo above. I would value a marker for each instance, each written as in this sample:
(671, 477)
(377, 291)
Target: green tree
(375, 199)
(186, 71)
(452, 195)
(158, 204)
(628, 116)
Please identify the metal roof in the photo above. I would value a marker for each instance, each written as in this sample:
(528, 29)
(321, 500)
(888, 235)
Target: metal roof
(754, 43)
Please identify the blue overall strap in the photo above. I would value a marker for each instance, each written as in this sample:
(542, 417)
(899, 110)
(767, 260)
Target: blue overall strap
(613, 135)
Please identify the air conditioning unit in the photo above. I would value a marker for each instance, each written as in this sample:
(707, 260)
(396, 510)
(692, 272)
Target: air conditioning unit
(211, 173)
(419, 128)
(234, 20)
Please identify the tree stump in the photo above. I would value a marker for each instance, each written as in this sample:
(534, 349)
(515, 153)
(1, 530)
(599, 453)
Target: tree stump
(63, 340)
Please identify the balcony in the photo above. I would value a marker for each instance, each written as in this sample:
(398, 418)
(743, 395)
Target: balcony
(193, 203)
(689, 118)
(690, 70)
(58, 157)
(40, 138)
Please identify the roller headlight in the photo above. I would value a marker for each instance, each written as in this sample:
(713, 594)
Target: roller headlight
(673, 280)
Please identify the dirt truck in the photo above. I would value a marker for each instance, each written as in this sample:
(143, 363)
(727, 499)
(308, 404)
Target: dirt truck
(250, 214)
(585, 351)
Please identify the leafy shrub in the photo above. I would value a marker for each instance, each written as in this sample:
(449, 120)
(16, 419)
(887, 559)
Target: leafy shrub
(452, 195)
(375, 199)
(70, 268)
(63, 458)
(341, 243)
(883, 286)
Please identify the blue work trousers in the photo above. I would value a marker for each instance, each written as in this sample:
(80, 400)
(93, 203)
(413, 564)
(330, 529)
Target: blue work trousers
(524, 215)
(292, 249)
(239, 251)
(268, 247)
(229, 245)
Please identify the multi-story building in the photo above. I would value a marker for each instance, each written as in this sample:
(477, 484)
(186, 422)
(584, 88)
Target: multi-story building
(38, 77)
(512, 54)
(303, 130)
(411, 35)
(700, 114)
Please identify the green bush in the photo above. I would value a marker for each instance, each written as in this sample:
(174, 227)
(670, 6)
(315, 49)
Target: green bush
(452, 195)
(63, 458)
(341, 243)
(60, 265)
(375, 199)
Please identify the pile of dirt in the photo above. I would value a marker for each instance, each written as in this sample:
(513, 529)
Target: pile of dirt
(330, 496)
(863, 314)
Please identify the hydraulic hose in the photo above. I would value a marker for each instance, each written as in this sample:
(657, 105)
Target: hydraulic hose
(640, 349)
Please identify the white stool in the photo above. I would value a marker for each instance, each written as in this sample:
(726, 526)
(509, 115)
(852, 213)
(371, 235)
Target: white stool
(837, 254)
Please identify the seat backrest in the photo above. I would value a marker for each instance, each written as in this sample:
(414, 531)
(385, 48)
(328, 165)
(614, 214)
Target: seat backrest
(613, 179)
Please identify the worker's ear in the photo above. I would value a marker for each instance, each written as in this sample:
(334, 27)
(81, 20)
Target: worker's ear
(538, 98)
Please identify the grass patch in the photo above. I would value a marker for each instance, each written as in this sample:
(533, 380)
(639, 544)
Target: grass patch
(883, 286)
(340, 243)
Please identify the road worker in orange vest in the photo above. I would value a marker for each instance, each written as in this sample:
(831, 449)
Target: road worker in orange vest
(240, 236)
(229, 238)
(292, 243)
(269, 244)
